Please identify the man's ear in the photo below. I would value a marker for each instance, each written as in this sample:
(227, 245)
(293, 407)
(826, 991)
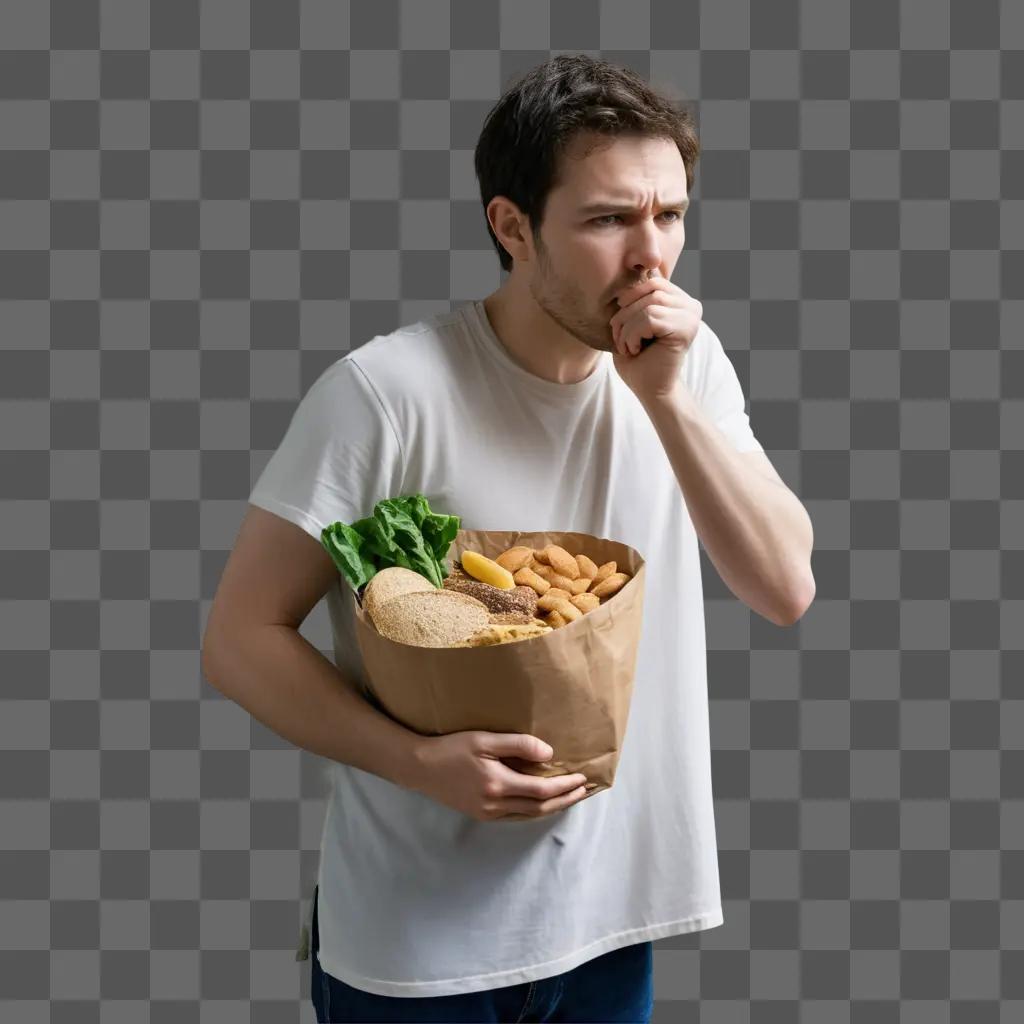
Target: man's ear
(510, 226)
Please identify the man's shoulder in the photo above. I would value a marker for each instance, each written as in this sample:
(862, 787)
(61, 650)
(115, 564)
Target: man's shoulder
(410, 353)
(423, 341)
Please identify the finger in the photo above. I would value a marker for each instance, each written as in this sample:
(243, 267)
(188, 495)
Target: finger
(627, 350)
(661, 297)
(621, 339)
(634, 334)
(636, 339)
(624, 340)
(634, 303)
(632, 293)
(629, 295)
(522, 808)
(617, 338)
(536, 787)
(521, 745)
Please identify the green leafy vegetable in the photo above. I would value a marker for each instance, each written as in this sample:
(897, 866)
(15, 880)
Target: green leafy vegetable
(402, 531)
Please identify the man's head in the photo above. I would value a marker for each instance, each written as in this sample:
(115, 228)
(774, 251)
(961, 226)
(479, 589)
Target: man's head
(585, 173)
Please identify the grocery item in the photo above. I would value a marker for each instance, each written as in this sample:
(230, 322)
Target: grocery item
(503, 634)
(610, 585)
(518, 599)
(487, 570)
(566, 609)
(567, 677)
(585, 602)
(527, 577)
(567, 585)
(434, 618)
(560, 582)
(403, 549)
(401, 532)
(514, 618)
(389, 583)
(515, 558)
(562, 562)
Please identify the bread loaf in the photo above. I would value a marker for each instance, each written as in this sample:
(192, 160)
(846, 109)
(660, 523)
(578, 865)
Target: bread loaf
(389, 583)
(438, 618)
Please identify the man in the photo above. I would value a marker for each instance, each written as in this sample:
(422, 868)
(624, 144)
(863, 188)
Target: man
(540, 407)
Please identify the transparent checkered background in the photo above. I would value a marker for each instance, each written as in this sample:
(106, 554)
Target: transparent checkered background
(202, 206)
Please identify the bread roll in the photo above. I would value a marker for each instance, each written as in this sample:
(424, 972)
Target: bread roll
(389, 583)
(439, 618)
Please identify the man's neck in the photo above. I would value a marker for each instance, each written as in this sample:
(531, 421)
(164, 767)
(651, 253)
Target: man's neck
(534, 340)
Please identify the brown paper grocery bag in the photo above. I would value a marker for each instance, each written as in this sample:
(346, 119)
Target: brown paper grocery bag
(571, 687)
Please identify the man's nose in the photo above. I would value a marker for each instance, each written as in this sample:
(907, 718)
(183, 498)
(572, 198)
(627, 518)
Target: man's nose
(645, 274)
(646, 246)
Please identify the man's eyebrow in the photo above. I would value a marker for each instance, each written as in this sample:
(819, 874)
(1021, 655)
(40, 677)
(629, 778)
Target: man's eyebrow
(613, 207)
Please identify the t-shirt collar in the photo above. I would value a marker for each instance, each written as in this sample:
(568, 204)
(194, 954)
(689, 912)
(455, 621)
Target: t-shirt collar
(475, 314)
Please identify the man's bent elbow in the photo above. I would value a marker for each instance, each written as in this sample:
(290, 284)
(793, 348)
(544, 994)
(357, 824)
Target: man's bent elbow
(209, 664)
(796, 607)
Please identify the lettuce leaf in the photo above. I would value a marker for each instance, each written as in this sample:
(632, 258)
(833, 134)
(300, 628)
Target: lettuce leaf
(401, 531)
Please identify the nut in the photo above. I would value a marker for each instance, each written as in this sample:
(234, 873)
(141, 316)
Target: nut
(515, 558)
(611, 585)
(568, 611)
(585, 602)
(562, 582)
(549, 602)
(528, 578)
(562, 562)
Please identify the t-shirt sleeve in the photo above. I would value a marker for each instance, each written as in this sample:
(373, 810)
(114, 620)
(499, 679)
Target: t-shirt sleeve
(339, 456)
(716, 386)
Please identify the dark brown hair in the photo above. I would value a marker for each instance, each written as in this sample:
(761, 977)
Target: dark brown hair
(529, 128)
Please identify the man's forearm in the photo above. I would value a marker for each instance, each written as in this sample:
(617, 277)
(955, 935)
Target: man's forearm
(287, 684)
(756, 532)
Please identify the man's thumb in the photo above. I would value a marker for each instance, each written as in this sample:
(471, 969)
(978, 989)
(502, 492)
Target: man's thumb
(522, 745)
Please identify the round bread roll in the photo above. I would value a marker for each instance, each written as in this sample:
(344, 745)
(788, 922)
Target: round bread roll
(390, 583)
(438, 618)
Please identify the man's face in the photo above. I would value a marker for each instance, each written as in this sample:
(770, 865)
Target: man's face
(616, 215)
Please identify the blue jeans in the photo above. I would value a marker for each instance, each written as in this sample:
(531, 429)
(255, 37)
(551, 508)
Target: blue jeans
(614, 987)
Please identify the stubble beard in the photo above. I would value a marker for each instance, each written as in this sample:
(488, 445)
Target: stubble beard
(564, 306)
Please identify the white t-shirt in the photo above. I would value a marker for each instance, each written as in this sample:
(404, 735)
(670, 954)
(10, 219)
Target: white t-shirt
(417, 899)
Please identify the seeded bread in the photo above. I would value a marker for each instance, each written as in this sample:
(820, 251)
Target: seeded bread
(513, 619)
(519, 599)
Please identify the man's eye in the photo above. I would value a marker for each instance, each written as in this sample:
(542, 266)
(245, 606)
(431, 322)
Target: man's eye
(601, 221)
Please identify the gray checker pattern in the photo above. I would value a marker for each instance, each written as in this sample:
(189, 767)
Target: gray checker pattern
(204, 205)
